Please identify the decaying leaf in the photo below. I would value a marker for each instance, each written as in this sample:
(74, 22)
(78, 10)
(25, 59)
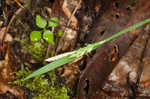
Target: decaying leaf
(8, 36)
(131, 65)
(5, 69)
(131, 60)
(6, 75)
(5, 87)
(117, 16)
(72, 71)
(68, 22)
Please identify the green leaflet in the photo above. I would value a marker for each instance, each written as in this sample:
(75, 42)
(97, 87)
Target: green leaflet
(40, 22)
(55, 19)
(52, 24)
(35, 36)
(48, 36)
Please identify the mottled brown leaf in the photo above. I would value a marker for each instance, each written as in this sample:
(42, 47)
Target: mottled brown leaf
(116, 17)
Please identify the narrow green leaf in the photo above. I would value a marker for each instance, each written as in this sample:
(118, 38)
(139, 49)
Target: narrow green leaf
(50, 66)
(58, 56)
(40, 22)
(35, 36)
(48, 36)
(126, 30)
(75, 54)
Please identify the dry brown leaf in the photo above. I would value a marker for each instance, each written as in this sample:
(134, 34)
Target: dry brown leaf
(68, 22)
(8, 38)
(71, 71)
(4, 87)
(6, 76)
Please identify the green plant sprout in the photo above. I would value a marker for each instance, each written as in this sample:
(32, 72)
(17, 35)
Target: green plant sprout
(65, 58)
(48, 35)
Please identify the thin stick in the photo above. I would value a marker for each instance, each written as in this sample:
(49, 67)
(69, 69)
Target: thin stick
(19, 4)
(73, 13)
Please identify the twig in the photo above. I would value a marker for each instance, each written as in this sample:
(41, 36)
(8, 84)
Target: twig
(73, 13)
(19, 4)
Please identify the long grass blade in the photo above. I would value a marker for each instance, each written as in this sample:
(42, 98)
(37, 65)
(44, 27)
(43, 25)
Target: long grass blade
(70, 56)
(50, 67)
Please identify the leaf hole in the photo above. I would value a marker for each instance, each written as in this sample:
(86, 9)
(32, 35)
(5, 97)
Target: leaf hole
(128, 8)
(116, 4)
(86, 88)
(117, 16)
(102, 32)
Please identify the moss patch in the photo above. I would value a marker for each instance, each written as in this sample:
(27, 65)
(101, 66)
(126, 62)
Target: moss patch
(41, 86)
(37, 50)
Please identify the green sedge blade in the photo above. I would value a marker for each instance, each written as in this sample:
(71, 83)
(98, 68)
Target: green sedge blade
(59, 56)
(127, 30)
(81, 51)
(50, 66)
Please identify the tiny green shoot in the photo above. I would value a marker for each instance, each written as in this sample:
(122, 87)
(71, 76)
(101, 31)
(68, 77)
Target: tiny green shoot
(45, 33)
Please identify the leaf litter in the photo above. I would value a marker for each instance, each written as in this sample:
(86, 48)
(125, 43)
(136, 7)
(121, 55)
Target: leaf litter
(76, 18)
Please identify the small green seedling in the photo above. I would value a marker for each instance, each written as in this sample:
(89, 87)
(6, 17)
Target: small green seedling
(45, 33)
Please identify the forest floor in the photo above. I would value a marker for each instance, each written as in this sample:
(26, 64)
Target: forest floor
(32, 31)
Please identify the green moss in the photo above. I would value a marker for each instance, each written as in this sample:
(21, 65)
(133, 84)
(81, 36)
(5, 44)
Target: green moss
(37, 50)
(43, 87)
